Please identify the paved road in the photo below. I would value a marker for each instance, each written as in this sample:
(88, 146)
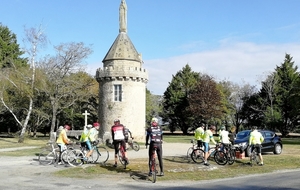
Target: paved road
(25, 173)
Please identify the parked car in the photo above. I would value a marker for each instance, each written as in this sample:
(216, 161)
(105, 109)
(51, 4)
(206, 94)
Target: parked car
(272, 142)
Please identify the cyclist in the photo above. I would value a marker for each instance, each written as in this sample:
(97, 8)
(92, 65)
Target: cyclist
(86, 139)
(95, 130)
(255, 141)
(208, 136)
(223, 137)
(199, 133)
(118, 137)
(154, 134)
(62, 140)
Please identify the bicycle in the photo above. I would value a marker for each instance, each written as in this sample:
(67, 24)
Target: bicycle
(50, 154)
(198, 154)
(124, 161)
(153, 165)
(77, 157)
(133, 145)
(191, 149)
(253, 156)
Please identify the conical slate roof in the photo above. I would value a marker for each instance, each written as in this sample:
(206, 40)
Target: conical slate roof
(122, 49)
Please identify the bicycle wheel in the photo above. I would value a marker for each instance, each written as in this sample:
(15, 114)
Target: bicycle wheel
(231, 156)
(94, 156)
(153, 170)
(135, 146)
(198, 156)
(46, 157)
(253, 158)
(220, 157)
(122, 159)
(103, 154)
(75, 157)
(189, 153)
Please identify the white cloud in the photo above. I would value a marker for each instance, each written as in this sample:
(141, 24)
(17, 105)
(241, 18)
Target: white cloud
(236, 62)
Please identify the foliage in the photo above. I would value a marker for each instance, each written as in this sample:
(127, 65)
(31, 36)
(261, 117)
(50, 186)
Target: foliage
(175, 105)
(10, 52)
(276, 105)
(65, 84)
(153, 106)
(205, 100)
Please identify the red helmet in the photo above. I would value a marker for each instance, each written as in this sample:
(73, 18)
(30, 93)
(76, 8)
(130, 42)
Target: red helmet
(67, 127)
(96, 124)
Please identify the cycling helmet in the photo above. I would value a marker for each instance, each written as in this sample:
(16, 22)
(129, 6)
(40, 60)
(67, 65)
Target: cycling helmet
(67, 127)
(96, 124)
(154, 120)
(116, 121)
(89, 126)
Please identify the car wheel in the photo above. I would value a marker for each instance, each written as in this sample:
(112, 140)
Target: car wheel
(277, 148)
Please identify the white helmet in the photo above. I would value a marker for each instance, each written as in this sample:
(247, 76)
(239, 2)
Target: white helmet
(89, 126)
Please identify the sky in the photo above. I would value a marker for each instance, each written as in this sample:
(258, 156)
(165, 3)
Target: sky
(234, 40)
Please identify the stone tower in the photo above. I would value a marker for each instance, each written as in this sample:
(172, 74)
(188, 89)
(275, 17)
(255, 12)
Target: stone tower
(122, 84)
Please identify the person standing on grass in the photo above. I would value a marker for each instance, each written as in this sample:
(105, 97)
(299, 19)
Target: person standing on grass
(208, 136)
(199, 133)
(232, 134)
(255, 141)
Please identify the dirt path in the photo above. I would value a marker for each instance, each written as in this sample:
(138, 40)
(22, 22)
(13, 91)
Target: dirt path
(26, 173)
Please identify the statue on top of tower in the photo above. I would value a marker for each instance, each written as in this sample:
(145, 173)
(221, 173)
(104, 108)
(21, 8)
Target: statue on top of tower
(123, 17)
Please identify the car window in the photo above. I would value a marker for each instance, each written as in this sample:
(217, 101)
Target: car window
(242, 134)
(269, 134)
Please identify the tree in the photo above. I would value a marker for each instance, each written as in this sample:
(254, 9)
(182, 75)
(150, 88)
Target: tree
(10, 52)
(175, 103)
(21, 81)
(64, 83)
(287, 94)
(153, 106)
(205, 100)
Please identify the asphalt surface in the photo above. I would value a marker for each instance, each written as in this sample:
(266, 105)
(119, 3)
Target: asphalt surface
(25, 173)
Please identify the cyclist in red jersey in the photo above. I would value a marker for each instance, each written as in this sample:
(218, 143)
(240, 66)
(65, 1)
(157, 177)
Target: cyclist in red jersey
(154, 134)
(118, 137)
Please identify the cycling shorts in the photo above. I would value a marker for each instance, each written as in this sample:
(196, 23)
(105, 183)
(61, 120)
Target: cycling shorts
(206, 146)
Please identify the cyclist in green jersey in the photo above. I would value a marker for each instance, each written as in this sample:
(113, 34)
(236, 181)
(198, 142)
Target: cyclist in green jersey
(255, 141)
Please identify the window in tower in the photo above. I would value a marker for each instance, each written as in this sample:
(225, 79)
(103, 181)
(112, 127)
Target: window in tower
(118, 92)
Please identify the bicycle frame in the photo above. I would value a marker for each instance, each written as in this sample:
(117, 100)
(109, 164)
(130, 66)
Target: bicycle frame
(122, 157)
